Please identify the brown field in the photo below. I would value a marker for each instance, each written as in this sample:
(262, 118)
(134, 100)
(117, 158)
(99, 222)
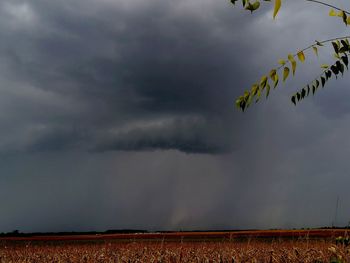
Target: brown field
(241, 246)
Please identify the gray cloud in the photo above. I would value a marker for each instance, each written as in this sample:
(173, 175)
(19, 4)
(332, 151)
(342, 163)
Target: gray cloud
(189, 134)
(113, 65)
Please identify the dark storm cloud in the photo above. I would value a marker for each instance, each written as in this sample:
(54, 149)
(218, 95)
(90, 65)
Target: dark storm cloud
(188, 135)
(117, 63)
(106, 104)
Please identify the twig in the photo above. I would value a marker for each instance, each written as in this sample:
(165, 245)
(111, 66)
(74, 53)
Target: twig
(332, 6)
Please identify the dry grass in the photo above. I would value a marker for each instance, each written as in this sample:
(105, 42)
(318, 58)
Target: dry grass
(274, 250)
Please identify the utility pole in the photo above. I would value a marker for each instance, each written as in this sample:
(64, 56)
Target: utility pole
(336, 213)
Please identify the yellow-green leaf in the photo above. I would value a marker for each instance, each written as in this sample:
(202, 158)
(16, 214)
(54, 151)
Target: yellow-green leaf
(332, 12)
(345, 17)
(274, 77)
(239, 101)
(285, 73)
(256, 5)
(252, 7)
(341, 13)
(275, 82)
(315, 50)
(301, 56)
(282, 62)
(293, 62)
(267, 90)
(348, 20)
(276, 8)
(258, 96)
(254, 89)
(263, 82)
(324, 66)
(272, 74)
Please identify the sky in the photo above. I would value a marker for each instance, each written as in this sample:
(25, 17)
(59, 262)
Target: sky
(119, 114)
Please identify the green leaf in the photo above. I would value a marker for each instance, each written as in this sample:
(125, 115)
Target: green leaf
(263, 82)
(343, 49)
(317, 83)
(252, 7)
(267, 90)
(334, 69)
(344, 16)
(345, 44)
(273, 74)
(285, 73)
(340, 67)
(239, 102)
(276, 8)
(323, 81)
(303, 93)
(281, 62)
(345, 60)
(258, 95)
(301, 56)
(293, 100)
(347, 41)
(335, 47)
(298, 96)
(243, 105)
(274, 77)
(254, 89)
(275, 82)
(249, 100)
(256, 5)
(293, 62)
(332, 12)
(315, 50)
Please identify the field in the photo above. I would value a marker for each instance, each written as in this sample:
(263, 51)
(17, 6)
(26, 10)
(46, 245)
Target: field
(242, 246)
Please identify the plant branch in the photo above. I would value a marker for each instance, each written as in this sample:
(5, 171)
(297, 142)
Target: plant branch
(313, 45)
(332, 6)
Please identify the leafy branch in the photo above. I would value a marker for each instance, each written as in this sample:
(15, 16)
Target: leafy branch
(326, 4)
(340, 45)
(247, 5)
(342, 50)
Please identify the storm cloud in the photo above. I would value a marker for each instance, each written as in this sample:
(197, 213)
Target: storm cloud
(120, 114)
(101, 67)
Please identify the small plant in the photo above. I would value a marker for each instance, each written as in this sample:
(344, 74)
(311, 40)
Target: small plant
(342, 241)
(336, 255)
(335, 260)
